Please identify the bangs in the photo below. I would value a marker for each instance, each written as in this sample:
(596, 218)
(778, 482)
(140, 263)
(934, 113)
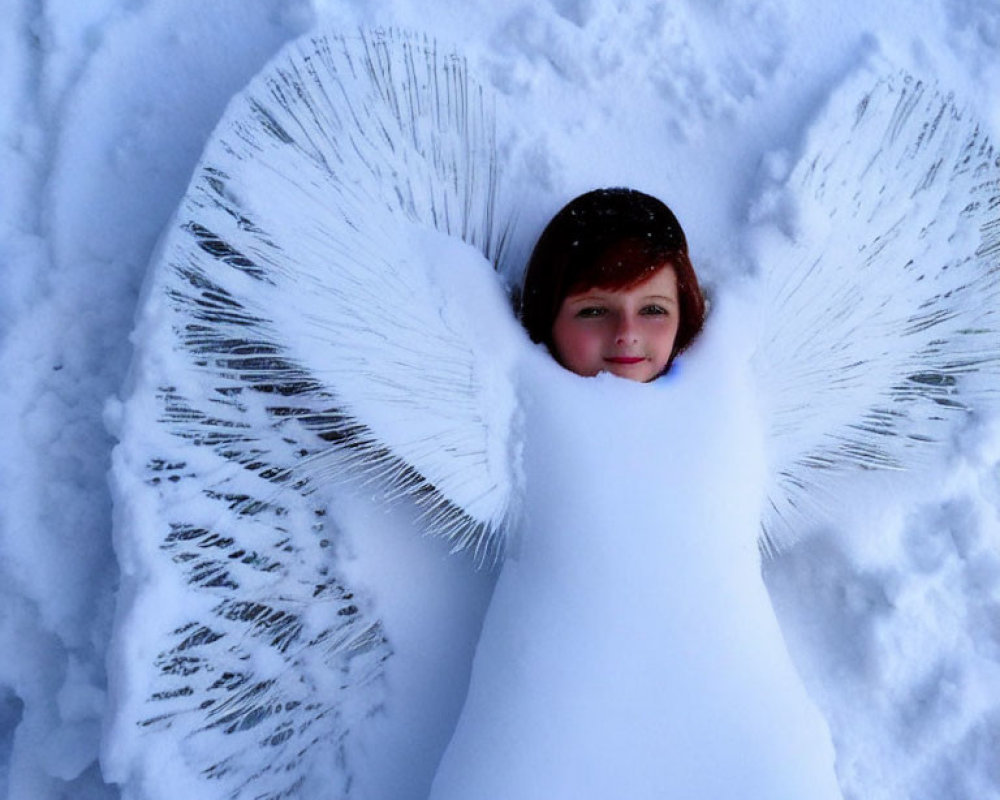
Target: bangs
(622, 266)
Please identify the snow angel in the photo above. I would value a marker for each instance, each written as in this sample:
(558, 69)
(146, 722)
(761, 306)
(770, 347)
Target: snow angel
(610, 286)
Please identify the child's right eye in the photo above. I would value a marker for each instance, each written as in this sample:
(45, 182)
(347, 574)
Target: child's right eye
(591, 311)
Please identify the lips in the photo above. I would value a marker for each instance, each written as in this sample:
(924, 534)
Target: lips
(625, 359)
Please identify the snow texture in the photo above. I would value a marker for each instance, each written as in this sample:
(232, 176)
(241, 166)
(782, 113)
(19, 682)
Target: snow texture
(630, 647)
(889, 606)
(289, 335)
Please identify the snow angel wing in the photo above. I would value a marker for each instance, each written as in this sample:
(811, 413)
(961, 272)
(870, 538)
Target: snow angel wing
(880, 328)
(324, 302)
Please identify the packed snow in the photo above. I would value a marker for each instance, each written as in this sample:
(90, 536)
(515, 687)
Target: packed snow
(593, 653)
(889, 607)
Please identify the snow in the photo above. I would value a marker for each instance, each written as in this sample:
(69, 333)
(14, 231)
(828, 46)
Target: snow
(632, 613)
(890, 608)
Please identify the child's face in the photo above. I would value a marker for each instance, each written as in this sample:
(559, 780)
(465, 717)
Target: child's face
(627, 332)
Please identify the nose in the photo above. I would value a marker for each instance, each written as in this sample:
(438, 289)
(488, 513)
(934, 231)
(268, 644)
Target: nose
(625, 332)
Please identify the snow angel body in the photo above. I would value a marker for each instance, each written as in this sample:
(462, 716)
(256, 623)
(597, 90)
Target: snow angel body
(630, 648)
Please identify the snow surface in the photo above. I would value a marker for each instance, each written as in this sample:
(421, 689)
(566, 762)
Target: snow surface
(630, 648)
(891, 610)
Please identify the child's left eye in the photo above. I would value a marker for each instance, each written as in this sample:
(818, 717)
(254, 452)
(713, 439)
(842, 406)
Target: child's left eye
(653, 310)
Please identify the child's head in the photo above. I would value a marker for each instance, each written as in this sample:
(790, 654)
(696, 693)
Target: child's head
(610, 287)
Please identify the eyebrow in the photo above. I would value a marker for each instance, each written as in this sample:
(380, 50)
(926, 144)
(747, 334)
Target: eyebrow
(587, 298)
(598, 294)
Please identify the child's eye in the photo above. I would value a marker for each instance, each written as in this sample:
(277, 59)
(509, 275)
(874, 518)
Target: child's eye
(653, 310)
(589, 312)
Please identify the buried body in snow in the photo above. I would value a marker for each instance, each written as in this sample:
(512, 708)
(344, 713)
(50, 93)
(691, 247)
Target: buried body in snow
(630, 648)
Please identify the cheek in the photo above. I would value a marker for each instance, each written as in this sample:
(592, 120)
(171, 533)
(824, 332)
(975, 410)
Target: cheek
(669, 337)
(576, 345)
(661, 333)
(673, 335)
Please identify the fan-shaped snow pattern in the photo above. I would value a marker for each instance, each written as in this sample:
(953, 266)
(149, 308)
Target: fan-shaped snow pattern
(319, 308)
(334, 168)
(880, 321)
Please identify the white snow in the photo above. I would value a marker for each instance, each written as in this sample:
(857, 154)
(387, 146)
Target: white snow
(630, 648)
(890, 609)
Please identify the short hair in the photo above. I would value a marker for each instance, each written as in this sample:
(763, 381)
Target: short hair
(608, 239)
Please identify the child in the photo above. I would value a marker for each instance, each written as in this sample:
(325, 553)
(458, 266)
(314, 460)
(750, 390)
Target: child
(610, 286)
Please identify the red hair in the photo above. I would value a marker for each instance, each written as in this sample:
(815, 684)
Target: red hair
(608, 239)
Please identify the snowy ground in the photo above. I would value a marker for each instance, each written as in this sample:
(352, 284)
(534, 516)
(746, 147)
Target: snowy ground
(892, 610)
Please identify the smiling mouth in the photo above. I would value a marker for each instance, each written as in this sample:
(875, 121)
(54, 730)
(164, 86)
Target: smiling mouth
(625, 359)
